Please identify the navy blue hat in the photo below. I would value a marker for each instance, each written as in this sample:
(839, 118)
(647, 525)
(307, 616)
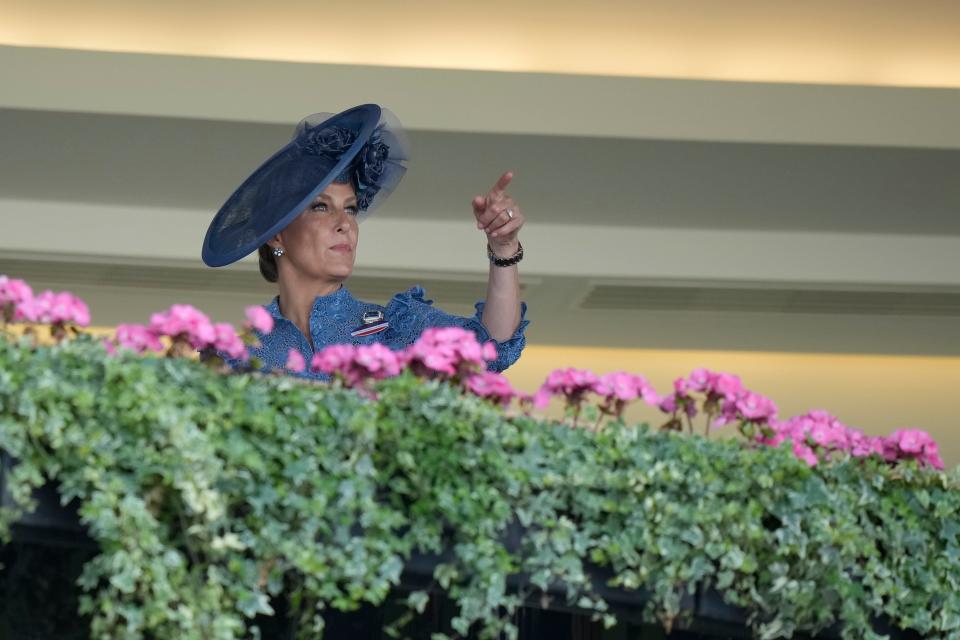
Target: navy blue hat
(364, 145)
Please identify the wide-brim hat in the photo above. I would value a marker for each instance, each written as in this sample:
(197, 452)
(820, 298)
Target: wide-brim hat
(364, 145)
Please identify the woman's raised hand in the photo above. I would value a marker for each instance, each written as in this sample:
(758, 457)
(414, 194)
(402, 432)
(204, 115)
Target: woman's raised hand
(500, 217)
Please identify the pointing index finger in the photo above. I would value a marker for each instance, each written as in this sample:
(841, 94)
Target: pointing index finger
(502, 184)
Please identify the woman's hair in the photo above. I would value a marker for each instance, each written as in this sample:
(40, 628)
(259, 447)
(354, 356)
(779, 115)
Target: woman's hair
(268, 263)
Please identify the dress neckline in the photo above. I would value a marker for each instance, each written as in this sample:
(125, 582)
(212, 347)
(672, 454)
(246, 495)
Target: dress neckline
(321, 304)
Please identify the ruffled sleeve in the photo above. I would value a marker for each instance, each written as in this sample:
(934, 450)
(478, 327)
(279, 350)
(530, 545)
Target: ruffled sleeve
(409, 313)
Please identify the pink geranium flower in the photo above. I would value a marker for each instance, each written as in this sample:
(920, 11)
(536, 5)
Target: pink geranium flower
(13, 293)
(295, 361)
(805, 453)
(572, 384)
(66, 308)
(721, 392)
(570, 381)
(184, 322)
(914, 444)
(931, 455)
(138, 338)
(333, 359)
(449, 352)
(375, 361)
(620, 387)
(668, 404)
(491, 385)
(228, 342)
(826, 432)
(726, 385)
(863, 446)
(698, 380)
(540, 399)
(774, 439)
(910, 441)
(815, 435)
(53, 308)
(755, 407)
(357, 365)
(33, 310)
(819, 434)
(259, 319)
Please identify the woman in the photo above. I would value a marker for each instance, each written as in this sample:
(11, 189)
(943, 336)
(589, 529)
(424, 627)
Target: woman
(301, 209)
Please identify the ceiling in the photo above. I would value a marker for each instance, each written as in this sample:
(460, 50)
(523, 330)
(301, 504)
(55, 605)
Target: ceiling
(865, 42)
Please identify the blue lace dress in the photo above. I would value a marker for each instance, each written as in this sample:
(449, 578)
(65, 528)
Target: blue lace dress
(336, 315)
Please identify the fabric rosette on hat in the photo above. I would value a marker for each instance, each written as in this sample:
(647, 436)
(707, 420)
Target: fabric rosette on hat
(364, 146)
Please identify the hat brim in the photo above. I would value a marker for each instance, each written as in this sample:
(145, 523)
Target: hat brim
(225, 243)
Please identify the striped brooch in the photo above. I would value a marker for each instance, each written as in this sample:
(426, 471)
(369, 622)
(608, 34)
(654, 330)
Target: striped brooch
(373, 322)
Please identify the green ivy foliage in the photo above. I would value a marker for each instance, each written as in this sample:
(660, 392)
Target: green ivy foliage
(210, 494)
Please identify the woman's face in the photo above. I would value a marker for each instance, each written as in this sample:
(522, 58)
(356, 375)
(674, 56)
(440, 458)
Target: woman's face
(321, 242)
